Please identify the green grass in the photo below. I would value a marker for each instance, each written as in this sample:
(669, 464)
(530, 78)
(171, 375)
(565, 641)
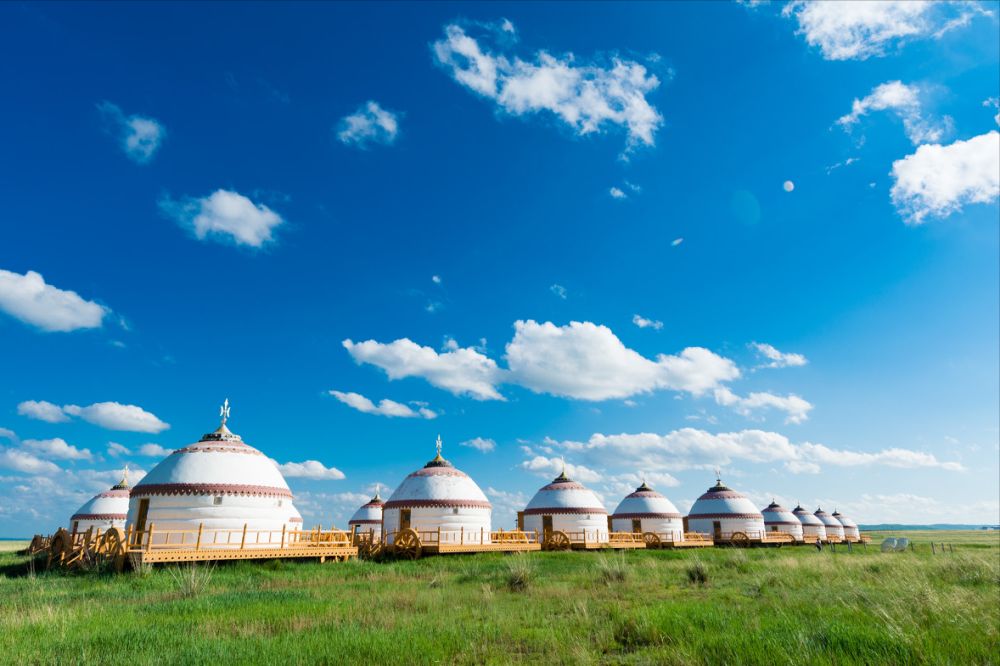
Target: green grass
(713, 606)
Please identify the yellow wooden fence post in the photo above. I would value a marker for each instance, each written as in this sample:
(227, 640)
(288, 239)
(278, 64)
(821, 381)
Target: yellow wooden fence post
(201, 526)
(149, 541)
(462, 536)
(243, 541)
(283, 535)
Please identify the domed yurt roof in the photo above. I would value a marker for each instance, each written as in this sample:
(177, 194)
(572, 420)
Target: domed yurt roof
(111, 505)
(370, 513)
(775, 513)
(723, 502)
(437, 484)
(564, 495)
(220, 463)
(805, 517)
(829, 521)
(646, 503)
(844, 520)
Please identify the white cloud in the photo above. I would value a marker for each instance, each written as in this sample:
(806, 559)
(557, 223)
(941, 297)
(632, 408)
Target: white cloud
(480, 444)
(938, 180)
(153, 451)
(27, 298)
(894, 457)
(617, 194)
(860, 30)
(436, 279)
(460, 371)
(558, 290)
(370, 123)
(9, 434)
(800, 467)
(505, 507)
(140, 136)
(115, 416)
(115, 450)
(796, 408)
(43, 411)
(994, 102)
(586, 97)
(22, 461)
(634, 188)
(778, 359)
(588, 362)
(385, 407)
(643, 323)
(902, 100)
(315, 470)
(225, 215)
(548, 468)
(57, 448)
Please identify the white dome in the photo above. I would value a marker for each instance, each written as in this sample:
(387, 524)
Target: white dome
(726, 509)
(435, 498)
(649, 511)
(811, 525)
(108, 509)
(571, 508)
(833, 526)
(850, 527)
(369, 516)
(219, 482)
(779, 519)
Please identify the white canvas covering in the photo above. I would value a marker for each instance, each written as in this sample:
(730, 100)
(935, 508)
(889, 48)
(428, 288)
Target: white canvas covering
(779, 519)
(811, 525)
(369, 516)
(833, 526)
(851, 530)
(572, 508)
(654, 513)
(103, 511)
(722, 511)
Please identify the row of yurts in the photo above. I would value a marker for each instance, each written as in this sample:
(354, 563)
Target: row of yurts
(222, 483)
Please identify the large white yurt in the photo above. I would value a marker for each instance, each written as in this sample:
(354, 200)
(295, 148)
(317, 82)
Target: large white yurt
(779, 519)
(646, 510)
(219, 483)
(834, 529)
(438, 496)
(369, 516)
(811, 525)
(567, 506)
(103, 511)
(722, 512)
(851, 530)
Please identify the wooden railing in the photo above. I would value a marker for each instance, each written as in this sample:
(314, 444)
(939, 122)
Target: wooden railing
(463, 537)
(755, 535)
(201, 538)
(625, 537)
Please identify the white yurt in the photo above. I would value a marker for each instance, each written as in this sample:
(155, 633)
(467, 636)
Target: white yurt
(779, 519)
(721, 512)
(811, 525)
(438, 496)
(369, 516)
(851, 530)
(567, 506)
(834, 529)
(108, 509)
(220, 483)
(646, 510)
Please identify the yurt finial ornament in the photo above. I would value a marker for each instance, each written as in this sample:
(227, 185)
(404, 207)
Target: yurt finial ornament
(439, 445)
(224, 411)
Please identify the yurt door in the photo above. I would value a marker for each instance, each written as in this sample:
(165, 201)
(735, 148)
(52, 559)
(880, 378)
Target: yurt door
(546, 526)
(636, 526)
(76, 526)
(404, 519)
(717, 528)
(140, 521)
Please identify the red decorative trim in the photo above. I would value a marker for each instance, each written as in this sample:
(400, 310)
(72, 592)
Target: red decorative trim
(556, 511)
(420, 504)
(646, 493)
(374, 505)
(439, 471)
(219, 447)
(364, 522)
(113, 493)
(143, 490)
(293, 519)
(564, 485)
(741, 516)
(722, 494)
(99, 516)
(781, 522)
(647, 515)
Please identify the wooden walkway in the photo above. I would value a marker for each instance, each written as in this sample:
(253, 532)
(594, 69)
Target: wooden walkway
(661, 540)
(411, 544)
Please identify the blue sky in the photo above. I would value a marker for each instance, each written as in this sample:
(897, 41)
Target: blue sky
(657, 239)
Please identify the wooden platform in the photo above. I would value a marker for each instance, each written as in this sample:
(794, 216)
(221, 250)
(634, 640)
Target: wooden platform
(665, 540)
(411, 544)
(752, 538)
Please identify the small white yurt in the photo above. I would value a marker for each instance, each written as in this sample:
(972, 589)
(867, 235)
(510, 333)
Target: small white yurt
(851, 530)
(438, 496)
(646, 510)
(834, 529)
(567, 506)
(811, 525)
(722, 512)
(219, 483)
(369, 516)
(103, 511)
(779, 519)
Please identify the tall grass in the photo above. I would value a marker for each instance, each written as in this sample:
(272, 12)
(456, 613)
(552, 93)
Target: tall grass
(519, 572)
(192, 579)
(612, 568)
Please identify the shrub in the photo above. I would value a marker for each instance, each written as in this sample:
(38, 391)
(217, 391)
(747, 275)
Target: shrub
(192, 580)
(612, 568)
(697, 573)
(519, 572)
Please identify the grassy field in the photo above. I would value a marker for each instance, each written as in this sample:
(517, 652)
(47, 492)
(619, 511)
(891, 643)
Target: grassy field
(787, 606)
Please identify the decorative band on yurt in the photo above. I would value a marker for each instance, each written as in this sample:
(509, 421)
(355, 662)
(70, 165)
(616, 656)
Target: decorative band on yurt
(558, 510)
(295, 519)
(425, 503)
(695, 516)
(209, 489)
(366, 521)
(646, 515)
(782, 522)
(99, 516)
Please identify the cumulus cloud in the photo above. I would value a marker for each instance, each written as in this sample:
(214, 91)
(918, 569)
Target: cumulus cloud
(57, 448)
(894, 457)
(385, 407)
(617, 194)
(29, 299)
(778, 359)
(643, 323)
(939, 180)
(796, 408)
(115, 450)
(311, 469)
(548, 468)
(225, 216)
(9, 434)
(587, 97)
(22, 461)
(115, 416)
(42, 411)
(800, 467)
(153, 451)
(903, 101)
(369, 124)
(480, 444)
(860, 30)
(140, 136)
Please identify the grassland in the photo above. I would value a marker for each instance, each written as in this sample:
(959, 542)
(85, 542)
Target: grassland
(787, 606)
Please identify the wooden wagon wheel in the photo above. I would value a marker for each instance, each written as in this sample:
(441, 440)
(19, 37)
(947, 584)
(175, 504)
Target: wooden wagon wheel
(557, 541)
(652, 541)
(60, 546)
(407, 544)
(36, 546)
(113, 547)
(740, 540)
